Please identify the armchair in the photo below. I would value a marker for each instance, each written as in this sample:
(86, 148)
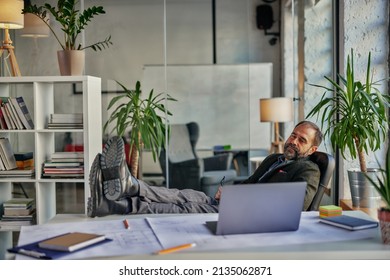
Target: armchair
(186, 169)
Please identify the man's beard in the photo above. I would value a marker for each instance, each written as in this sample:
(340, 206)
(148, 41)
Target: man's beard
(295, 153)
(291, 152)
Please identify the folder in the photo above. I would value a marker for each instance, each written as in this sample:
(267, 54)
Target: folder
(33, 250)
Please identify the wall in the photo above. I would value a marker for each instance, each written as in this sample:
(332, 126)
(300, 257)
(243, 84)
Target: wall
(138, 29)
(366, 26)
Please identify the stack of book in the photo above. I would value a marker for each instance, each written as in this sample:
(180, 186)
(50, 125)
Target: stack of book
(14, 114)
(65, 121)
(64, 164)
(24, 159)
(18, 212)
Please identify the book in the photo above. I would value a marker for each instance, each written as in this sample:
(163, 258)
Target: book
(22, 111)
(71, 241)
(10, 123)
(349, 222)
(28, 171)
(2, 166)
(62, 164)
(23, 155)
(19, 202)
(18, 211)
(22, 164)
(3, 124)
(63, 155)
(4, 116)
(7, 154)
(14, 114)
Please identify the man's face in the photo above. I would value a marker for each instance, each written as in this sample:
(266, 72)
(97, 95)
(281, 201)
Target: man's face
(300, 143)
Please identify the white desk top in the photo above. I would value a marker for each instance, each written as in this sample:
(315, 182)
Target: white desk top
(369, 248)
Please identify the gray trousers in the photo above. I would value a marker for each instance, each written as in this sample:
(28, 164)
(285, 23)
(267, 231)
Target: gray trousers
(159, 200)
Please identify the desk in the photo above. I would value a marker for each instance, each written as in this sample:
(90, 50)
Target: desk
(369, 248)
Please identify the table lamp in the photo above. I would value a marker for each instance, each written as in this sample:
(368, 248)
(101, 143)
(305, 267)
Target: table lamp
(34, 27)
(276, 110)
(11, 17)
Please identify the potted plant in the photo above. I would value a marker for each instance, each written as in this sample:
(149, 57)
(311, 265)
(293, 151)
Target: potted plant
(356, 119)
(72, 23)
(141, 116)
(382, 185)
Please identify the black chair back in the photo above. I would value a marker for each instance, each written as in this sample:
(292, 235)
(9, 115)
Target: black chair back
(326, 164)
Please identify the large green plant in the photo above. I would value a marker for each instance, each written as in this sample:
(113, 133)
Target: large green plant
(72, 22)
(145, 117)
(355, 114)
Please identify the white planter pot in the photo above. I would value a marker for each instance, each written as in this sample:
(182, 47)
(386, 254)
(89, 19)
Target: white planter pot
(71, 62)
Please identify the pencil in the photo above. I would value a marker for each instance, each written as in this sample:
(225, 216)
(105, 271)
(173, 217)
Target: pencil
(126, 223)
(175, 249)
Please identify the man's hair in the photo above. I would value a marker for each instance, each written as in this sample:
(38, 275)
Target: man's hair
(318, 135)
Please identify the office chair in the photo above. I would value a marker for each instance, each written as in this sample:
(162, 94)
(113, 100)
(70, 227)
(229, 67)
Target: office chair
(326, 164)
(186, 169)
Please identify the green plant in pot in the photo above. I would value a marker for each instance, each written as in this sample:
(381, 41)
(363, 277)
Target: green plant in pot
(355, 116)
(145, 117)
(72, 22)
(382, 185)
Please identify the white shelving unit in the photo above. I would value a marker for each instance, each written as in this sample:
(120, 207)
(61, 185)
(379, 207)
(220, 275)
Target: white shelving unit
(41, 92)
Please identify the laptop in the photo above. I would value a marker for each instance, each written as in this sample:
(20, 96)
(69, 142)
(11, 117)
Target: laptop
(258, 208)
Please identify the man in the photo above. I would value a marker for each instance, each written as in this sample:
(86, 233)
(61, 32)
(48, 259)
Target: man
(115, 191)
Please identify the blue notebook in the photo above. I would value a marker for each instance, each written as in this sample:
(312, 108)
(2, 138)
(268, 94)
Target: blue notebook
(349, 222)
(33, 250)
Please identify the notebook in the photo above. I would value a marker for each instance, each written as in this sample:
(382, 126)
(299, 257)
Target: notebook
(71, 241)
(349, 222)
(258, 208)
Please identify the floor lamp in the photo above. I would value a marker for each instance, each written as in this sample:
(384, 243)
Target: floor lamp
(276, 110)
(11, 17)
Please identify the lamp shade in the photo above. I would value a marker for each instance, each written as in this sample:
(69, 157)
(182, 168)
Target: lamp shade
(278, 109)
(11, 16)
(34, 27)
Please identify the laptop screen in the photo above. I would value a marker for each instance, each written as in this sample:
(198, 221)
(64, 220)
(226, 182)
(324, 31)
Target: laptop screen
(257, 208)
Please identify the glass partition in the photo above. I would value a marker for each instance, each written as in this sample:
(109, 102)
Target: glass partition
(210, 55)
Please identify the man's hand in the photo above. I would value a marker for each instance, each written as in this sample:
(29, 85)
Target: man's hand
(217, 195)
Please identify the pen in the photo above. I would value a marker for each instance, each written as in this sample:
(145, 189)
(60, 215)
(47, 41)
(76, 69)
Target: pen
(34, 254)
(175, 249)
(222, 181)
(126, 224)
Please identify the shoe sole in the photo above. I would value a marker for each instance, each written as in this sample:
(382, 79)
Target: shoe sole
(112, 157)
(92, 201)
